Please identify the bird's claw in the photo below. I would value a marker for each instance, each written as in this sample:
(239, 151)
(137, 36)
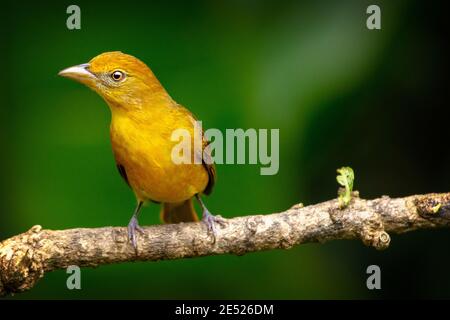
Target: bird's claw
(211, 221)
(134, 226)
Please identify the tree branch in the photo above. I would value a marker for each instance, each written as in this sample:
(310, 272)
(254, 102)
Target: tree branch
(25, 258)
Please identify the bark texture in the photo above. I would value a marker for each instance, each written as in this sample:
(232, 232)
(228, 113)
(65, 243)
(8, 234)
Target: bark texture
(25, 258)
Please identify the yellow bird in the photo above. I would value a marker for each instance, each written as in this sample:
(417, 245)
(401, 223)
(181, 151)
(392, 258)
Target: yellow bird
(143, 118)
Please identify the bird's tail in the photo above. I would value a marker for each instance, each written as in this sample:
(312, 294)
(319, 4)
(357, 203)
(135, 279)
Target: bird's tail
(178, 212)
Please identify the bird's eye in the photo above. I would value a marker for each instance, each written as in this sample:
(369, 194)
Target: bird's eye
(117, 76)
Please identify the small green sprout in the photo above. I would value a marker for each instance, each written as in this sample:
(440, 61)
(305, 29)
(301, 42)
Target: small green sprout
(345, 178)
(436, 208)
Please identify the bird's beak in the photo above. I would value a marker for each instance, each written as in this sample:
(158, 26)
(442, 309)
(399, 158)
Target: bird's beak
(79, 73)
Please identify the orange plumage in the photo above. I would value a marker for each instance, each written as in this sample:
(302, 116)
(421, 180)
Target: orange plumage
(143, 118)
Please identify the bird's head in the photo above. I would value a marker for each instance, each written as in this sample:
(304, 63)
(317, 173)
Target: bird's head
(121, 79)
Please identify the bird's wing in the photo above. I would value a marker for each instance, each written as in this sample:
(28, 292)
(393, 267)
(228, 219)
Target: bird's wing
(209, 166)
(206, 156)
(122, 172)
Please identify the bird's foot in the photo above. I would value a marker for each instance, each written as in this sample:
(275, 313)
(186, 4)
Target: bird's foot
(211, 222)
(134, 226)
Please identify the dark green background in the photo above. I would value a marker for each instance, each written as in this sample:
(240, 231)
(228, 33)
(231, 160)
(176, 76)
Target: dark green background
(339, 93)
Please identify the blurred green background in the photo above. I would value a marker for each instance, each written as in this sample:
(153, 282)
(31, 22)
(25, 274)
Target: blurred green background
(339, 93)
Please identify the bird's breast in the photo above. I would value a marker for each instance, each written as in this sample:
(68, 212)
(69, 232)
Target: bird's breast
(144, 150)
